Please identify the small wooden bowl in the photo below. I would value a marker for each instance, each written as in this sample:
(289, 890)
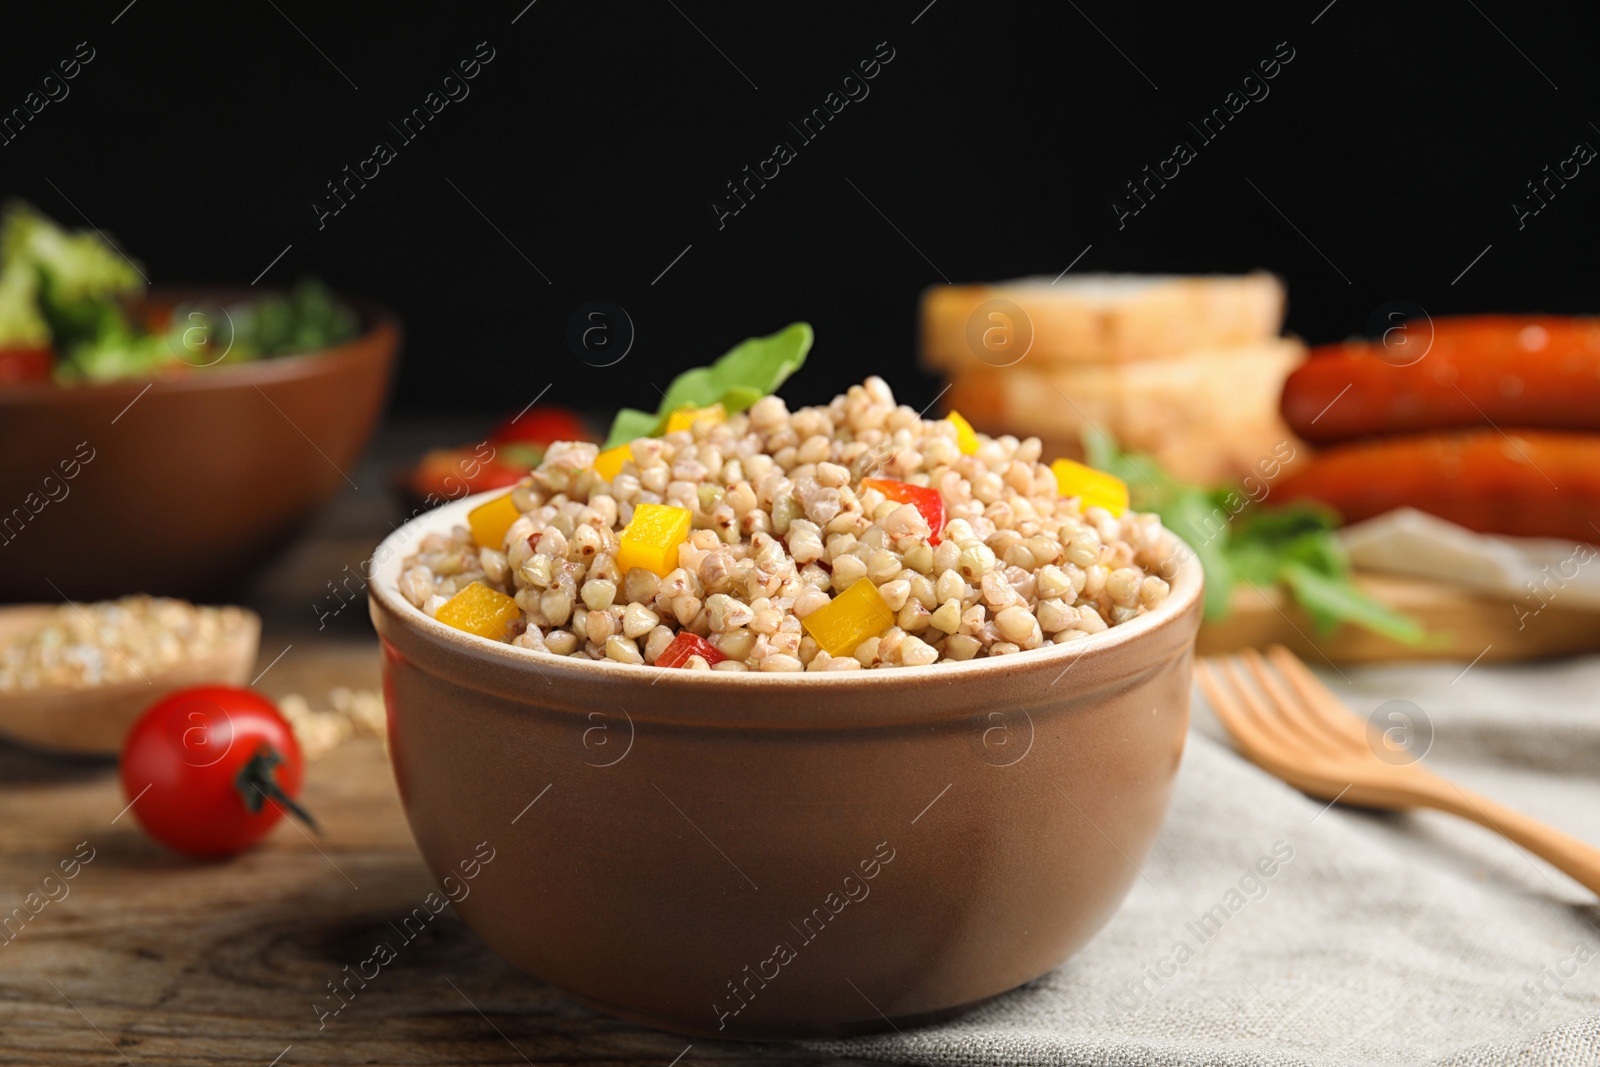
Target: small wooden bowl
(93, 720)
(181, 484)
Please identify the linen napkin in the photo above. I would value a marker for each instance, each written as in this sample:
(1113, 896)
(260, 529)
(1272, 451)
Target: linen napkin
(1377, 939)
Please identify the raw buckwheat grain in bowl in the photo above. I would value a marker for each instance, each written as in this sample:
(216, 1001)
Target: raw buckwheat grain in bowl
(732, 534)
(114, 641)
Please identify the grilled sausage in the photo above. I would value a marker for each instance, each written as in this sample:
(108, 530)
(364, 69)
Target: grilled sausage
(1505, 370)
(1533, 483)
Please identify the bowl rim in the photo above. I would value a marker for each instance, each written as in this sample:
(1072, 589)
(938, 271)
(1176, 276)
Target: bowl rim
(376, 319)
(383, 584)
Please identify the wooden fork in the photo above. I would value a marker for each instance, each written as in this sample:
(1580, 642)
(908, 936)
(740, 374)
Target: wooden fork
(1287, 722)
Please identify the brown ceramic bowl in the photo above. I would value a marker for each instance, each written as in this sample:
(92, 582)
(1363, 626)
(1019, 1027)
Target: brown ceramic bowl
(781, 856)
(181, 484)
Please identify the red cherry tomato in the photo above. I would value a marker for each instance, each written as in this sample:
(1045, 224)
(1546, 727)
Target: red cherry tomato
(209, 770)
(456, 472)
(540, 426)
(930, 502)
(685, 645)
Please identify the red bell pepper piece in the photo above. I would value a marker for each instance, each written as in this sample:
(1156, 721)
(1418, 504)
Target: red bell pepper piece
(930, 502)
(685, 645)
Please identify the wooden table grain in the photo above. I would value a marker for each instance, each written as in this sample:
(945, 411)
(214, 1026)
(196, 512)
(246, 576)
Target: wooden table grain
(147, 957)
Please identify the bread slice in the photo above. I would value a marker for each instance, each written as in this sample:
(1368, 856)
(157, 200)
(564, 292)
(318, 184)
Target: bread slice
(1097, 318)
(1207, 417)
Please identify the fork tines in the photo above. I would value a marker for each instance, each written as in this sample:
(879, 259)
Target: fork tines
(1277, 711)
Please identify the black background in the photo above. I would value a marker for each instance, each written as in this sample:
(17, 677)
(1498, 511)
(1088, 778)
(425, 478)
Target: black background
(994, 142)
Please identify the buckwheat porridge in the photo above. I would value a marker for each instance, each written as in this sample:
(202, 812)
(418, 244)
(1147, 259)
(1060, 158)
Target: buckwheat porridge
(842, 537)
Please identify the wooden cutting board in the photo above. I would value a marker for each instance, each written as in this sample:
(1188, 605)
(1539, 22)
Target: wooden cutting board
(1466, 626)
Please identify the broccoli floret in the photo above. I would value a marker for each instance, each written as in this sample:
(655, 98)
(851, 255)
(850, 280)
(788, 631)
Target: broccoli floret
(71, 266)
(21, 324)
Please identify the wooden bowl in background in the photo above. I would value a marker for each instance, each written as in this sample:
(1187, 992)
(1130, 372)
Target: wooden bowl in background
(185, 482)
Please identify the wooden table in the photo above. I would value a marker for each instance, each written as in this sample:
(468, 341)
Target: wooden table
(151, 958)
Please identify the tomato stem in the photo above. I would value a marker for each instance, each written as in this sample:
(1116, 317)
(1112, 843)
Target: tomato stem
(257, 782)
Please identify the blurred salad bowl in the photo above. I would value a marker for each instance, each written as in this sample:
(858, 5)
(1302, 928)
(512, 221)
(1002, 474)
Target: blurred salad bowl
(166, 441)
(180, 483)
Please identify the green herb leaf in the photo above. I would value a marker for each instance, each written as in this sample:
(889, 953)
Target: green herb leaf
(762, 363)
(1149, 487)
(740, 398)
(1286, 522)
(1192, 515)
(1264, 539)
(695, 388)
(632, 423)
(1237, 541)
(748, 371)
(1189, 512)
(1330, 601)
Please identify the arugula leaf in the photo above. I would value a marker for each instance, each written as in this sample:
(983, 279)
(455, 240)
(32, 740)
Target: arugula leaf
(1148, 484)
(1286, 522)
(741, 398)
(760, 364)
(1264, 540)
(748, 371)
(1188, 511)
(1330, 601)
(1293, 543)
(1196, 510)
(631, 423)
(695, 388)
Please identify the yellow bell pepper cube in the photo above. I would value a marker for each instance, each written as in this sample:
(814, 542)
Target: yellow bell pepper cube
(685, 418)
(966, 436)
(651, 540)
(477, 609)
(489, 522)
(850, 618)
(1094, 488)
(608, 464)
